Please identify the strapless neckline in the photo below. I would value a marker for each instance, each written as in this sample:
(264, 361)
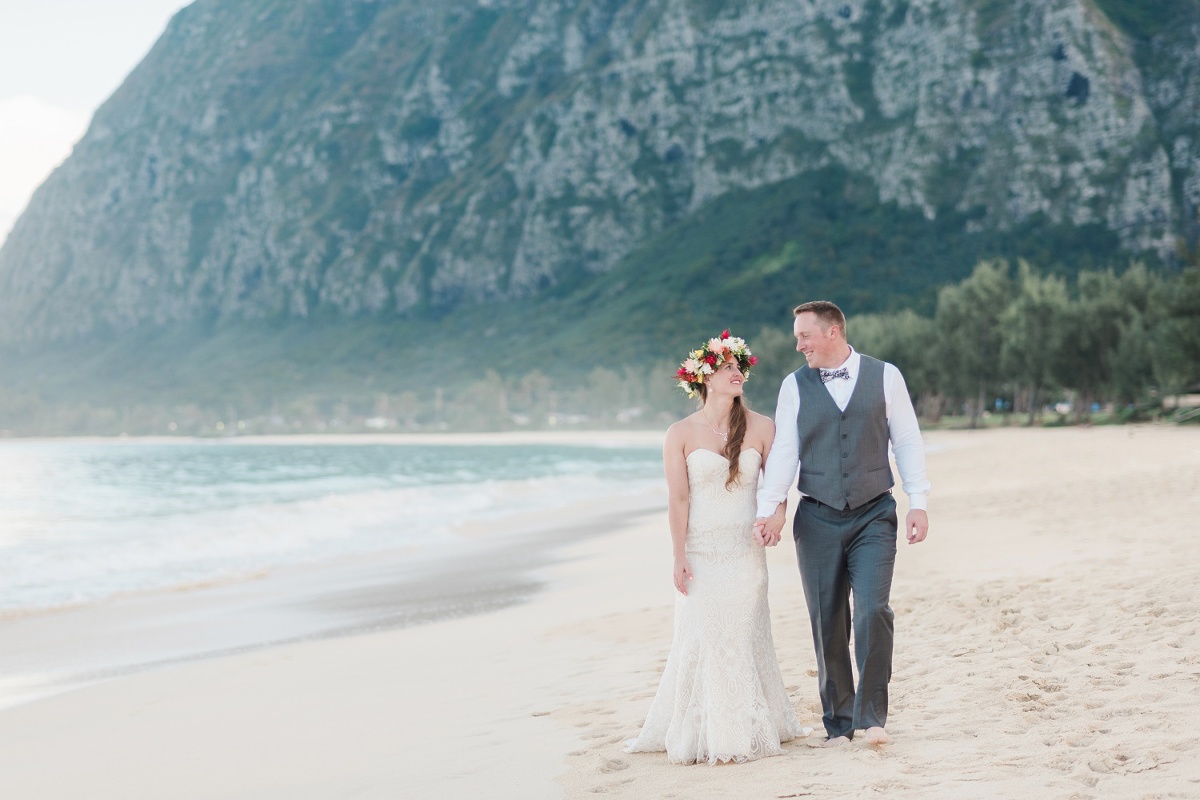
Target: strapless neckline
(719, 455)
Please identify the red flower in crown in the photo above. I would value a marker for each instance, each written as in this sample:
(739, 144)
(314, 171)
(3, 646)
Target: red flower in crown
(753, 360)
(725, 333)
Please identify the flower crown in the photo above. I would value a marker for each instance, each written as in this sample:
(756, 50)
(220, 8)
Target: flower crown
(711, 355)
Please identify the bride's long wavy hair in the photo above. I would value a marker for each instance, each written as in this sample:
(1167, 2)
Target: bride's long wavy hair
(737, 435)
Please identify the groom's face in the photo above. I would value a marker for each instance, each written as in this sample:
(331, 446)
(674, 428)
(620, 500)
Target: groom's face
(819, 345)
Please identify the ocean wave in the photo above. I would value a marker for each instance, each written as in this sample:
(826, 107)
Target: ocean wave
(103, 543)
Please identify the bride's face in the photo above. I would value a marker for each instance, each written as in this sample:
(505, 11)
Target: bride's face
(727, 380)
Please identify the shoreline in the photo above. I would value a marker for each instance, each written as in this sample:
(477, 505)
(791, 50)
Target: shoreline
(414, 513)
(1031, 660)
(483, 571)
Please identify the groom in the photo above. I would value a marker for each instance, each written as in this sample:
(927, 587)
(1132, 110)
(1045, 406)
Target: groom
(834, 420)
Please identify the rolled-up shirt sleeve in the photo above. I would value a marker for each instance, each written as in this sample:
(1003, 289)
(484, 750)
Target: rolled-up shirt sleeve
(905, 434)
(783, 462)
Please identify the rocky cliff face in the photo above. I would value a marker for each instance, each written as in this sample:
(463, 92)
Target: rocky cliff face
(296, 157)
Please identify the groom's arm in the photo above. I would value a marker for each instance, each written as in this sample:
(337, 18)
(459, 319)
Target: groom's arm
(780, 470)
(909, 449)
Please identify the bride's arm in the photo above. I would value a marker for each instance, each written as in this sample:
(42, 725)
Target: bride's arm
(675, 465)
(767, 531)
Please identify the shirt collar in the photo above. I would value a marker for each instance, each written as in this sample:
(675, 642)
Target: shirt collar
(851, 362)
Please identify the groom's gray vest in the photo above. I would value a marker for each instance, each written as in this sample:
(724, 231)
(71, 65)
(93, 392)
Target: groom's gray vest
(843, 454)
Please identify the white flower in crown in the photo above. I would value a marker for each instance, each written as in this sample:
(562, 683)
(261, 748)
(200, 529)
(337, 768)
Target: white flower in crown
(692, 365)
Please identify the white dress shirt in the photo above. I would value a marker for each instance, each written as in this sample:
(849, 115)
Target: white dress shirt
(904, 436)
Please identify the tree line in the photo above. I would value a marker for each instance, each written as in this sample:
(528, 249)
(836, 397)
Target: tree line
(1013, 339)
(1009, 340)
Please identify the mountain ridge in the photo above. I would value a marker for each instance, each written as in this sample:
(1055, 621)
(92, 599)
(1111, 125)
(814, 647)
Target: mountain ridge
(274, 160)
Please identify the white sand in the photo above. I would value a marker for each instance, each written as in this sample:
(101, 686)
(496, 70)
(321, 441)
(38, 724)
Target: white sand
(1048, 646)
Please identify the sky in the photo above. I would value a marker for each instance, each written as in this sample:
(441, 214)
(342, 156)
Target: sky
(59, 60)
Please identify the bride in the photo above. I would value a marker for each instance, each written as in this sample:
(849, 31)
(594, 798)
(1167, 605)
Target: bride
(721, 697)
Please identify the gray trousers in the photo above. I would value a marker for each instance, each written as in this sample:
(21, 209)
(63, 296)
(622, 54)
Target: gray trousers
(843, 553)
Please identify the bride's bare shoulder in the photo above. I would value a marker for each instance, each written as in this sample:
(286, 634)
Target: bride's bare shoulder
(680, 432)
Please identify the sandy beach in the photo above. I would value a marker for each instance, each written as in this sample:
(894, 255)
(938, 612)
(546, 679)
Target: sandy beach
(1047, 646)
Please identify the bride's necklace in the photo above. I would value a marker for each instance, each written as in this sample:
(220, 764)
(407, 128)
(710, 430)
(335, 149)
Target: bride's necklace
(724, 436)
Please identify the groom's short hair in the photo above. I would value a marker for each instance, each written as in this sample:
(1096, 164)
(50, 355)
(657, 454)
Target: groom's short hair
(828, 313)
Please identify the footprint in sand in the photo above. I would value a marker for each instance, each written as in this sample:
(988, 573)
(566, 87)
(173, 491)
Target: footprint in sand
(614, 765)
(1107, 683)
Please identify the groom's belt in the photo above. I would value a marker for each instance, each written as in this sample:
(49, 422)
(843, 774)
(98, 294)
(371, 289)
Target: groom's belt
(871, 502)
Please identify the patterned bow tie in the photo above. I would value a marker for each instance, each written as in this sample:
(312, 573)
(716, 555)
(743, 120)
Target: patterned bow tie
(828, 375)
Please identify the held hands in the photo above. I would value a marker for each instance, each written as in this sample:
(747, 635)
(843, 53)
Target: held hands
(916, 525)
(682, 574)
(767, 530)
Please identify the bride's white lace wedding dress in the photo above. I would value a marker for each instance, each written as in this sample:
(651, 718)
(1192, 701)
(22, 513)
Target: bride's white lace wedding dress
(721, 697)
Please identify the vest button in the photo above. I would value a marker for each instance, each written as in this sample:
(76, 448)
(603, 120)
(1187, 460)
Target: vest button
(845, 436)
(845, 455)
(845, 474)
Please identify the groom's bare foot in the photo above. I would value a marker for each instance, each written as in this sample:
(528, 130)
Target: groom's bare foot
(836, 741)
(876, 736)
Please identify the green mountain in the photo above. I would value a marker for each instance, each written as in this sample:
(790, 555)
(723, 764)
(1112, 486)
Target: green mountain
(284, 198)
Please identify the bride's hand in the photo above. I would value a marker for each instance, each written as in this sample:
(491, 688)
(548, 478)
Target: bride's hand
(683, 574)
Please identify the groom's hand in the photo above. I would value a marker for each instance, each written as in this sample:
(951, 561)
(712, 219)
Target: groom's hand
(767, 529)
(917, 525)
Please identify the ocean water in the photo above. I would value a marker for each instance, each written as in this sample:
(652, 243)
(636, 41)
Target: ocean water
(81, 522)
